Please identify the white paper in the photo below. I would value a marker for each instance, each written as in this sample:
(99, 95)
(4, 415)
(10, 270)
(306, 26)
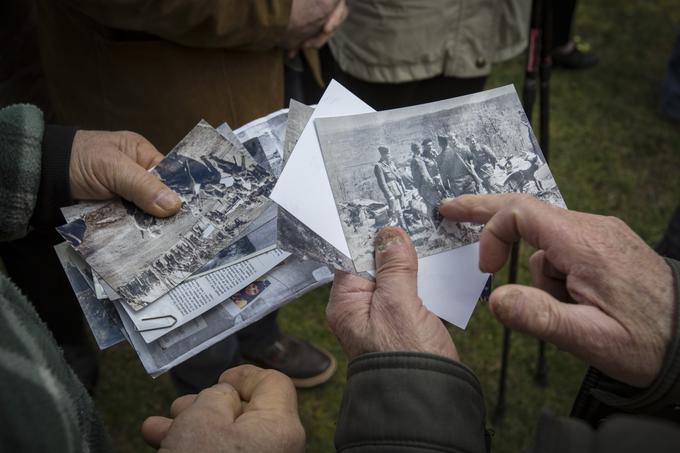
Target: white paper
(448, 283)
(303, 188)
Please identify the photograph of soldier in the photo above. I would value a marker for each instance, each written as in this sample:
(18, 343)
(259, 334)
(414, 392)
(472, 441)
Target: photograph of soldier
(469, 145)
(455, 160)
(426, 176)
(391, 184)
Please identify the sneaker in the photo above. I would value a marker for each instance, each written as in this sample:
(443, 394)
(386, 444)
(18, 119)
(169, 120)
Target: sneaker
(306, 365)
(574, 56)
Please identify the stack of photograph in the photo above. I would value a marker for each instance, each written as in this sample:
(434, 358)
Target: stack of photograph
(271, 210)
(174, 287)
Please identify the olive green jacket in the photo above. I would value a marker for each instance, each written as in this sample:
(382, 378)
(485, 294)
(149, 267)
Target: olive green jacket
(43, 405)
(392, 41)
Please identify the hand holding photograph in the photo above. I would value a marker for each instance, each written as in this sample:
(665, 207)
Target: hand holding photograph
(142, 257)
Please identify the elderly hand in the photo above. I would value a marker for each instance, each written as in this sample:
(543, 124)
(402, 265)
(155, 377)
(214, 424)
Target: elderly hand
(386, 315)
(105, 164)
(249, 409)
(619, 291)
(313, 22)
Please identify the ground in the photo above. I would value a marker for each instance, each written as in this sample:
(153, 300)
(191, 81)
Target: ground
(610, 154)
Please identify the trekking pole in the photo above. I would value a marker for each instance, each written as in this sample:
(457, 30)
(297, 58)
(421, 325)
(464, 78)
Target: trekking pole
(528, 100)
(544, 77)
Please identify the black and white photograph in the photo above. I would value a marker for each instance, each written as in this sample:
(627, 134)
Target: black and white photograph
(296, 238)
(393, 168)
(264, 138)
(258, 241)
(100, 315)
(142, 257)
(298, 117)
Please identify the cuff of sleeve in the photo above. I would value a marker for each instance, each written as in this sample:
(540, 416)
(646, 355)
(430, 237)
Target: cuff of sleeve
(55, 187)
(415, 400)
(664, 393)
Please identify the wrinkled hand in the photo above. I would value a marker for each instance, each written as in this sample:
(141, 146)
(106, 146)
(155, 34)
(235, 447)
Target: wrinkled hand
(387, 315)
(619, 318)
(313, 22)
(250, 409)
(106, 164)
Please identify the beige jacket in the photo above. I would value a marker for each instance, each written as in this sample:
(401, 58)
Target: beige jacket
(392, 41)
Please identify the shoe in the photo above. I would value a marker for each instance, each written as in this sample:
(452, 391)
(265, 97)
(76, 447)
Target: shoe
(306, 365)
(571, 56)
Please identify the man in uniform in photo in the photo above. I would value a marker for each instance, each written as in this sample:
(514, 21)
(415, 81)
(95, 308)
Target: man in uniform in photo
(426, 177)
(391, 185)
(455, 162)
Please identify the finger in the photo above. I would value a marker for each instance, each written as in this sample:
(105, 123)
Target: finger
(132, 182)
(317, 41)
(396, 264)
(181, 403)
(546, 277)
(154, 430)
(508, 218)
(481, 208)
(547, 268)
(221, 400)
(349, 300)
(262, 389)
(139, 149)
(585, 331)
(336, 18)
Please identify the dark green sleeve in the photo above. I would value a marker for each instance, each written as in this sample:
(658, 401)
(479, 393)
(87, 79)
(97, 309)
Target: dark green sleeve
(21, 133)
(619, 434)
(411, 402)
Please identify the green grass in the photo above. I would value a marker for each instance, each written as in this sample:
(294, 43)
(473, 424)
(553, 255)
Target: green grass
(610, 154)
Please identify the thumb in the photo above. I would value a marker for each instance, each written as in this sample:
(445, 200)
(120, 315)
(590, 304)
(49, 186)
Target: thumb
(144, 189)
(396, 263)
(578, 329)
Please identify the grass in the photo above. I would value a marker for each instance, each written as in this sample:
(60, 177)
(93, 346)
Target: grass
(610, 154)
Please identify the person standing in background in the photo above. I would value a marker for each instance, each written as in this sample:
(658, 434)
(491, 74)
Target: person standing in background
(395, 53)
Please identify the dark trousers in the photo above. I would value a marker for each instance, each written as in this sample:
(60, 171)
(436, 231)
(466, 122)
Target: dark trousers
(563, 17)
(385, 96)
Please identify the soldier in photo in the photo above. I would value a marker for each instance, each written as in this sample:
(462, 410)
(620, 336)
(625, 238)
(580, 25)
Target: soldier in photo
(392, 186)
(426, 177)
(455, 162)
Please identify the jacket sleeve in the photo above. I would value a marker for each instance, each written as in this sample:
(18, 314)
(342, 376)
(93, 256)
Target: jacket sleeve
(410, 403)
(236, 24)
(620, 434)
(34, 171)
(21, 132)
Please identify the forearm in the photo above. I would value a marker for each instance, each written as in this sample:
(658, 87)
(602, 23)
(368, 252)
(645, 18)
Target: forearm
(411, 402)
(236, 24)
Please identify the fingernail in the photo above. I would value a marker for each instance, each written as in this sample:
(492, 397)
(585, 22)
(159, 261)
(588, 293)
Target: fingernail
(386, 239)
(446, 200)
(167, 200)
